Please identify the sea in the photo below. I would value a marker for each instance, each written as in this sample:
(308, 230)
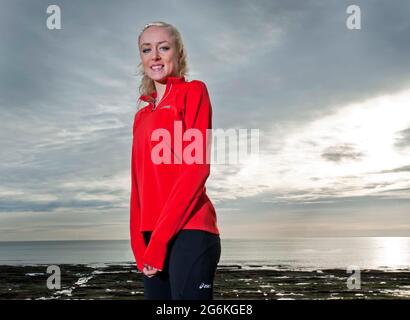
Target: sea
(282, 268)
(382, 253)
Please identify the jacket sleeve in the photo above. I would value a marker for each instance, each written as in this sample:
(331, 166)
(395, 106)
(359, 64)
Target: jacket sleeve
(137, 239)
(187, 189)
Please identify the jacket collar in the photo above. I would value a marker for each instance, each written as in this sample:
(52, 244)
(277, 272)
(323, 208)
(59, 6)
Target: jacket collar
(170, 80)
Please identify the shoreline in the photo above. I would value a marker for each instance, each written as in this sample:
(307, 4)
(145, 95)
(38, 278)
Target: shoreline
(232, 281)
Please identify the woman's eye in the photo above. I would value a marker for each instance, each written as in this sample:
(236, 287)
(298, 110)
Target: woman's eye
(148, 49)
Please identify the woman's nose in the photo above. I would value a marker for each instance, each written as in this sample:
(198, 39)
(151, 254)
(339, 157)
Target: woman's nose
(155, 54)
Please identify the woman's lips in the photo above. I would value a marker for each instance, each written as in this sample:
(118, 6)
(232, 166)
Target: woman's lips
(157, 67)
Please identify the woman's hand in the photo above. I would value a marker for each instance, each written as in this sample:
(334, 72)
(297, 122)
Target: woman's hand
(149, 271)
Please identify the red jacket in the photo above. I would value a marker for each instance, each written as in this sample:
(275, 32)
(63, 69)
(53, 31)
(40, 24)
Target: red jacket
(168, 197)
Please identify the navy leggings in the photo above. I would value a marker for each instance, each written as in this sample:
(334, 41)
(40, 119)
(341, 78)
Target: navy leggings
(189, 267)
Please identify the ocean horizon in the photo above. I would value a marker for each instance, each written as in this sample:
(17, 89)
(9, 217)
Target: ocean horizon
(293, 253)
(281, 268)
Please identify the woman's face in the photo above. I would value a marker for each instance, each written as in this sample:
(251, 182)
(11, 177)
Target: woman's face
(158, 53)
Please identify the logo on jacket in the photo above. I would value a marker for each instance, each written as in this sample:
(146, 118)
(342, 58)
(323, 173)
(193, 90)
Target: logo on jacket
(204, 286)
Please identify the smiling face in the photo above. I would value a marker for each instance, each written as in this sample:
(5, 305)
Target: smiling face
(158, 53)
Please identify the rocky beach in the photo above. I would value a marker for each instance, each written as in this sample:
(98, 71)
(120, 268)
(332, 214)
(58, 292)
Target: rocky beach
(239, 282)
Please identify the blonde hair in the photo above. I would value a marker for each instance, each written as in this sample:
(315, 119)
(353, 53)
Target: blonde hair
(147, 86)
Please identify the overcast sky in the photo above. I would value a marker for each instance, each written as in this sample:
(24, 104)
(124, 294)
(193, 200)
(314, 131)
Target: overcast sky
(332, 106)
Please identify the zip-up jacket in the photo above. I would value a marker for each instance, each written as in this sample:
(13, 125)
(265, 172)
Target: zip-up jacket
(169, 197)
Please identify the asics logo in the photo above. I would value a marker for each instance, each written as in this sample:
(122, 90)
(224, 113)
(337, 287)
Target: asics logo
(204, 286)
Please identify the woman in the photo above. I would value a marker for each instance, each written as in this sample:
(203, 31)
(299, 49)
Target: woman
(173, 224)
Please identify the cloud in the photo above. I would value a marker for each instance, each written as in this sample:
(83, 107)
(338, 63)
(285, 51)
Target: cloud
(341, 152)
(403, 141)
(331, 105)
(399, 169)
(346, 153)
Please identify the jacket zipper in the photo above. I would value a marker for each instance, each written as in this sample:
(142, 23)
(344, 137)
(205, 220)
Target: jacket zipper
(163, 97)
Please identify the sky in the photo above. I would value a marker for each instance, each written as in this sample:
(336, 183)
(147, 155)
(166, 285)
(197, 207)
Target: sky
(331, 105)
